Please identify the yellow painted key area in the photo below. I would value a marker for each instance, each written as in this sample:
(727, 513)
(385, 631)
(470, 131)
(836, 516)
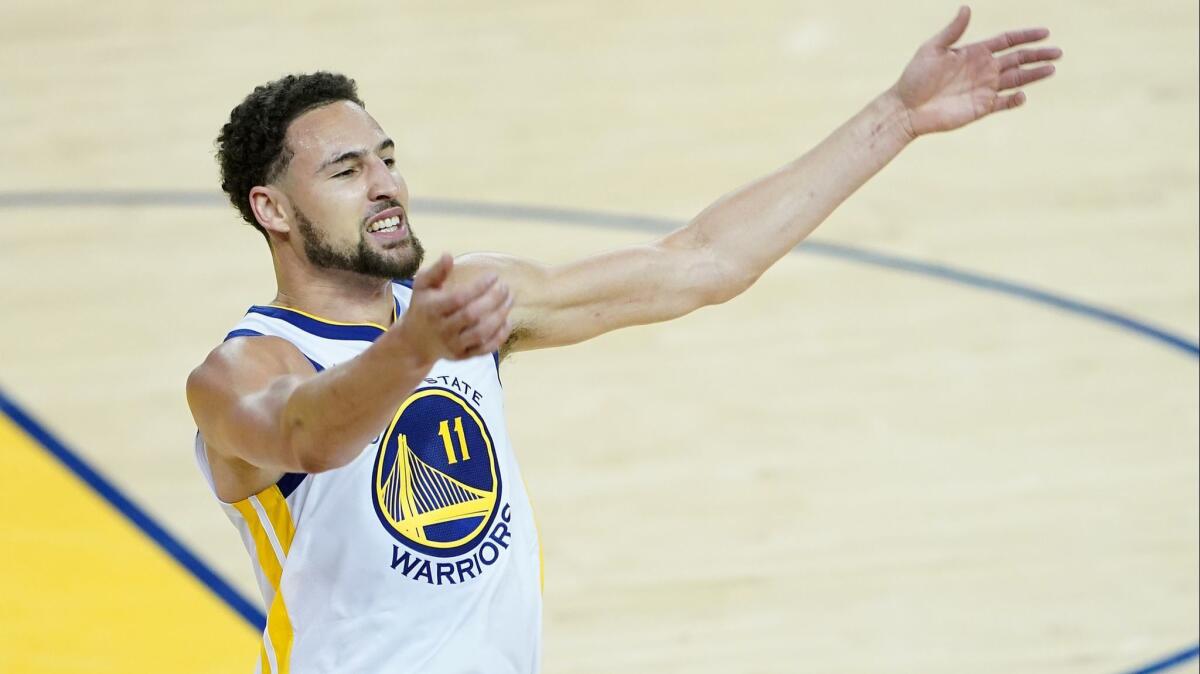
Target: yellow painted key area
(84, 590)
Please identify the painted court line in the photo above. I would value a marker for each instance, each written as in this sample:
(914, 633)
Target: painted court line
(134, 513)
(1170, 661)
(477, 209)
(604, 219)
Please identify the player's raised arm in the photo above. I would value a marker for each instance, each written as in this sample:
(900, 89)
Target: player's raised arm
(724, 249)
(257, 400)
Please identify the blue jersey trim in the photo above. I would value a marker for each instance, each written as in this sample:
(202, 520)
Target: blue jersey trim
(242, 332)
(288, 483)
(352, 332)
(254, 333)
(406, 282)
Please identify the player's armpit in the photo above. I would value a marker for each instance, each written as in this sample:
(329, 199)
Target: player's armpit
(237, 397)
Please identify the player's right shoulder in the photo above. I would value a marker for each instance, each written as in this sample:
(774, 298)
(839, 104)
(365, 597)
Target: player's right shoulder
(248, 362)
(235, 374)
(233, 396)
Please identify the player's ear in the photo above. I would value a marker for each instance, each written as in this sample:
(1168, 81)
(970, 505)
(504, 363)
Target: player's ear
(269, 206)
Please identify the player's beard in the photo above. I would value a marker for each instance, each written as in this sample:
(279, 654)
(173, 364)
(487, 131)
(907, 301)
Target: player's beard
(361, 259)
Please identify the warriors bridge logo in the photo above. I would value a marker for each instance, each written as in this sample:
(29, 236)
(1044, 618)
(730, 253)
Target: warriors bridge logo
(436, 489)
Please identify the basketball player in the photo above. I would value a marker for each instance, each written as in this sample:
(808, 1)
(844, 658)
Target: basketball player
(353, 428)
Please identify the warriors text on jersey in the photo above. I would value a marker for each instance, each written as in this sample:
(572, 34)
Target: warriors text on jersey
(420, 555)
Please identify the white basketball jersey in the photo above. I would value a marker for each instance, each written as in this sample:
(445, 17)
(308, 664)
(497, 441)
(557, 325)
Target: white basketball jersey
(421, 555)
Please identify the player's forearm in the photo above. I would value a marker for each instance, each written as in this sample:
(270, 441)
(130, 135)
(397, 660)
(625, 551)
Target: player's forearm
(328, 419)
(746, 231)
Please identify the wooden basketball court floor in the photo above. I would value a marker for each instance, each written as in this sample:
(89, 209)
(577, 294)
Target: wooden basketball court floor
(956, 433)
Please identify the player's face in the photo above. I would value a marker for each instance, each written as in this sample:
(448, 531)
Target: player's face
(349, 204)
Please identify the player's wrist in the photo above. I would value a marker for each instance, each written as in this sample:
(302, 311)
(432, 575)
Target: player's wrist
(896, 117)
(409, 350)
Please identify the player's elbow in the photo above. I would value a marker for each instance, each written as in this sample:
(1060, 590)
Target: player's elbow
(726, 282)
(317, 462)
(715, 273)
(301, 453)
(305, 438)
(312, 459)
(310, 452)
(307, 447)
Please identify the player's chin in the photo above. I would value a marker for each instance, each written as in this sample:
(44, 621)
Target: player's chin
(402, 252)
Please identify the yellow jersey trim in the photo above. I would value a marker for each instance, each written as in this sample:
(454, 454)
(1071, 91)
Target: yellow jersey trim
(272, 511)
(332, 322)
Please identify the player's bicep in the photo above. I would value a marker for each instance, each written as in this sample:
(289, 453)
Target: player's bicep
(564, 304)
(237, 397)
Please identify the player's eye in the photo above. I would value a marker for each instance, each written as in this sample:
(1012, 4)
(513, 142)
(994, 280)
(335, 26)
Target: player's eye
(344, 174)
(389, 162)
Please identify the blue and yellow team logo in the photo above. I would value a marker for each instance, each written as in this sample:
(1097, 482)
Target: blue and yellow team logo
(436, 482)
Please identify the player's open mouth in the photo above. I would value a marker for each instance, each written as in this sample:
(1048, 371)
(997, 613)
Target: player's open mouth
(391, 225)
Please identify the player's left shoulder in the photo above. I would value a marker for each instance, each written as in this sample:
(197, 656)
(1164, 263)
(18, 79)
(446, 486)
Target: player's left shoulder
(517, 272)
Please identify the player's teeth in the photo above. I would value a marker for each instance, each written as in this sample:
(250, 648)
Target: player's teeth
(387, 225)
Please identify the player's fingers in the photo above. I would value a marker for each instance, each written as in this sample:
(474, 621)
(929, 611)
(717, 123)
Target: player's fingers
(479, 330)
(1024, 56)
(951, 33)
(493, 341)
(461, 297)
(480, 287)
(498, 339)
(474, 308)
(1009, 102)
(1013, 38)
(1019, 77)
(444, 304)
(435, 275)
(495, 295)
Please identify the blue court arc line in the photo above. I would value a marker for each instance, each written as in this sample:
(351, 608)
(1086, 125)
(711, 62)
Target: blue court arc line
(494, 210)
(834, 250)
(1170, 661)
(134, 513)
(614, 220)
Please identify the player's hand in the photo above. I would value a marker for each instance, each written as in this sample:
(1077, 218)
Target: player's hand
(945, 87)
(456, 323)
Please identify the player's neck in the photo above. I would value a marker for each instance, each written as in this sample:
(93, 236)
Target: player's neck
(335, 295)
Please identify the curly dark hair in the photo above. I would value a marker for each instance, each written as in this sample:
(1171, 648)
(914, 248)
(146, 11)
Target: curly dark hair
(251, 148)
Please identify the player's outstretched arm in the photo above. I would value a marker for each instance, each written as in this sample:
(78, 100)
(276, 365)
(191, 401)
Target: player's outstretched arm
(722, 251)
(261, 407)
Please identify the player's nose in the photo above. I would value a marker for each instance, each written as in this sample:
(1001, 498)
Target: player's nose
(385, 183)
